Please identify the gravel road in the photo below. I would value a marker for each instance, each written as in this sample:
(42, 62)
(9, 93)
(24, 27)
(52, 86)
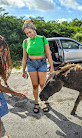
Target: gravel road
(21, 122)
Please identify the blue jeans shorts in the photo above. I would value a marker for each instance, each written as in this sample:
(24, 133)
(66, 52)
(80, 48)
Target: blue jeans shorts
(3, 105)
(39, 65)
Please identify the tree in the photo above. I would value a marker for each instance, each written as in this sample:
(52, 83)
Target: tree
(76, 22)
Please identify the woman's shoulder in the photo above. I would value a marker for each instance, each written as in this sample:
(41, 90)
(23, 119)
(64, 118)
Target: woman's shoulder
(40, 36)
(26, 39)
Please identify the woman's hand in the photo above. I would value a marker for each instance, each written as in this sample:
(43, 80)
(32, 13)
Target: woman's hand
(22, 94)
(51, 69)
(23, 74)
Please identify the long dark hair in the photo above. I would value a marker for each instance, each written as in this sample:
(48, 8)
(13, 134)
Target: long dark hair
(5, 59)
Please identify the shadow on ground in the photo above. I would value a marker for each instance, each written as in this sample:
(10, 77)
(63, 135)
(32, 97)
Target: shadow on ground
(23, 107)
(68, 128)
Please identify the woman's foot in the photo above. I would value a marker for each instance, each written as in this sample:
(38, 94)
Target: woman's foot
(36, 108)
(46, 108)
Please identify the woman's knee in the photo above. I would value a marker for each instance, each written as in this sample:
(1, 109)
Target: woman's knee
(35, 86)
(41, 85)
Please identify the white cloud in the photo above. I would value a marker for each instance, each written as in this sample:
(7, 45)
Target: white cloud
(71, 4)
(30, 15)
(31, 4)
(61, 20)
(18, 3)
(69, 11)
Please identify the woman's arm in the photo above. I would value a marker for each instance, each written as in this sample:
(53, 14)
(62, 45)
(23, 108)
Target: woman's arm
(48, 54)
(7, 90)
(24, 61)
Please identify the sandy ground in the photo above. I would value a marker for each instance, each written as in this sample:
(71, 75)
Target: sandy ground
(21, 122)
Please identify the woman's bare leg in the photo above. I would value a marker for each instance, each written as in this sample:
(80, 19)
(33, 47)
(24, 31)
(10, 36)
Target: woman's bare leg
(35, 83)
(42, 80)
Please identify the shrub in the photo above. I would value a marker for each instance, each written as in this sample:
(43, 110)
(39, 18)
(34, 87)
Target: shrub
(78, 37)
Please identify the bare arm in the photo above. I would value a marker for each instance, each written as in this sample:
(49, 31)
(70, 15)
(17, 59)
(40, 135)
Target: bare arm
(7, 90)
(48, 54)
(24, 61)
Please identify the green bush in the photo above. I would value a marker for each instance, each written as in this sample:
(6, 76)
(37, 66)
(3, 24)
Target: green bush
(17, 64)
(16, 51)
(78, 37)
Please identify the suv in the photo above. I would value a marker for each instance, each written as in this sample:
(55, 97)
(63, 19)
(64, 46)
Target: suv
(65, 49)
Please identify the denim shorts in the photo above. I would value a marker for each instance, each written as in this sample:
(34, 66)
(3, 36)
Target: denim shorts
(39, 65)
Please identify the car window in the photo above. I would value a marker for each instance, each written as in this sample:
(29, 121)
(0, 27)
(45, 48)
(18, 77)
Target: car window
(68, 44)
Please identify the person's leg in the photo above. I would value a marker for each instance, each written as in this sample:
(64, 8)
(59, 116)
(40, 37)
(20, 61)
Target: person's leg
(42, 80)
(0, 131)
(34, 79)
(0, 127)
(42, 72)
(35, 83)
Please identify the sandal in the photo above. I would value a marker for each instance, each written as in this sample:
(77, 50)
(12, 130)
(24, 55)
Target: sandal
(46, 109)
(36, 109)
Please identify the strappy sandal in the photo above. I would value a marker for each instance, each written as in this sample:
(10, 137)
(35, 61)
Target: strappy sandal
(36, 109)
(46, 109)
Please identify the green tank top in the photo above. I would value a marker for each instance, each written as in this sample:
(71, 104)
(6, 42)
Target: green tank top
(35, 46)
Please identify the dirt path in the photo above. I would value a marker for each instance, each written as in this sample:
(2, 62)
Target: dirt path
(21, 122)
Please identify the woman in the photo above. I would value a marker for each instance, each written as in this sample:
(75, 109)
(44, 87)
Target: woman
(34, 50)
(5, 70)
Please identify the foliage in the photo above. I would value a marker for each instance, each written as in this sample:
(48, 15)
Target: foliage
(17, 64)
(78, 37)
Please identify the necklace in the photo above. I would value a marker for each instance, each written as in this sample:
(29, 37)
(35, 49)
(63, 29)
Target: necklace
(35, 40)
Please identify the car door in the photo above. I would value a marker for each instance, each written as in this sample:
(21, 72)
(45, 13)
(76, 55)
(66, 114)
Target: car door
(72, 50)
(60, 51)
(55, 51)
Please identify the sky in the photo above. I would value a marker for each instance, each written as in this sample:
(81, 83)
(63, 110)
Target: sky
(61, 10)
